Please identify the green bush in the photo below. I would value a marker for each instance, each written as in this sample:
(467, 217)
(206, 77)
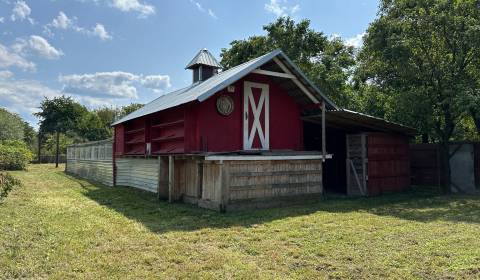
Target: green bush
(14, 155)
(7, 182)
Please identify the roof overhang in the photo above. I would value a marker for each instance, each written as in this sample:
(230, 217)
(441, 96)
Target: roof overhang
(357, 122)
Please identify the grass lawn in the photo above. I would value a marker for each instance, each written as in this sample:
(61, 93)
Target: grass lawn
(56, 226)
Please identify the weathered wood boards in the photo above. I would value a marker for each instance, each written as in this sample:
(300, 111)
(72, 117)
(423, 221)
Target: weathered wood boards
(219, 183)
(226, 183)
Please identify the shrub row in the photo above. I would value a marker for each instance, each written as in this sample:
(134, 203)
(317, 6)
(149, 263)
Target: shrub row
(14, 155)
(7, 182)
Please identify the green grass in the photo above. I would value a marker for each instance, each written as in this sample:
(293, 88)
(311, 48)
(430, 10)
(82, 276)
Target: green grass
(56, 226)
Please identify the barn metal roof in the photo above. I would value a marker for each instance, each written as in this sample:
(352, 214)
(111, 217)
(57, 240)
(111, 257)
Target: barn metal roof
(203, 90)
(204, 57)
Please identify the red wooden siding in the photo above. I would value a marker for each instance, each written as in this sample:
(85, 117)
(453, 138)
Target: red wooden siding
(198, 127)
(167, 131)
(119, 139)
(217, 133)
(388, 163)
(135, 136)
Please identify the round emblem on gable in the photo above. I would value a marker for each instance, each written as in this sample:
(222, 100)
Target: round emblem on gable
(225, 105)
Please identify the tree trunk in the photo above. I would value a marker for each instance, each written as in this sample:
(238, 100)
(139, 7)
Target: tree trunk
(39, 153)
(57, 149)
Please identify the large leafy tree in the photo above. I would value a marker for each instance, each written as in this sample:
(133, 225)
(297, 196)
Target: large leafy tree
(59, 115)
(327, 62)
(11, 126)
(423, 58)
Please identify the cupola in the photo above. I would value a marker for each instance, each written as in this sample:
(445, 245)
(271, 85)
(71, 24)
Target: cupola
(204, 65)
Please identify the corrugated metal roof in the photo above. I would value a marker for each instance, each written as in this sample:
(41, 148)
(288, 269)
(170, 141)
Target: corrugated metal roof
(204, 57)
(202, 90)
(352, 118)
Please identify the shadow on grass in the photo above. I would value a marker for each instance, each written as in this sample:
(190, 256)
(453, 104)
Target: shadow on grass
(418, 204)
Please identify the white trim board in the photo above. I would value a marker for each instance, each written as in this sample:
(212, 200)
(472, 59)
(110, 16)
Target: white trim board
(260, 157)
(273, 74)
(296, 81)
(263, 105)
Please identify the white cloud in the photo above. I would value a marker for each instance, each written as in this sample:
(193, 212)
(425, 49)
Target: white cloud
(100, 32)
(102, 87)
(2, 19)
(38, 46)
(199, 6)
(5, 74)
(21, 11)
(212, 14)
(101, 84)
(134, 5)
(62, 21)
(24, 96)
(356, 41)
(280, 8)
(10, 58)
(157, 83)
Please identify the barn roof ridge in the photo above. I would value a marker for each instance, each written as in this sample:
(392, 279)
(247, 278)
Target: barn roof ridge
(203, 90)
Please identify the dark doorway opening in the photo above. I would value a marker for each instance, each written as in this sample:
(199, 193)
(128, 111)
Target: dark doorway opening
(334, 169)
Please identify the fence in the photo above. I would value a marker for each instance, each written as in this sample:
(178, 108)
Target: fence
(50, 159)
(427, 169)
(92, 160)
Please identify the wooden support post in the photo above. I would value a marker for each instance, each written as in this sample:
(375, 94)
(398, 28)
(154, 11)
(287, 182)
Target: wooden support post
(159, 182)
(225, 187)
(171, 178)
(324, 139)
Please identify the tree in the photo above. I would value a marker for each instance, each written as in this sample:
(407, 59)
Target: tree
(107, 115)
(11, 126)
(91, 127)
(424, 56)
(59, 115)
(327, 62)
(129, 109)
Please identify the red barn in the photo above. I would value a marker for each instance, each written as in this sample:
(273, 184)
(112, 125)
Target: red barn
(249, 134)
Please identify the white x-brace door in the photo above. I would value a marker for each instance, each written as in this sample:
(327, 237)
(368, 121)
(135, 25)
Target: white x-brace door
(255, 128)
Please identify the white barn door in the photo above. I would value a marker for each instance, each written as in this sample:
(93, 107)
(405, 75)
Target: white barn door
(256, 134)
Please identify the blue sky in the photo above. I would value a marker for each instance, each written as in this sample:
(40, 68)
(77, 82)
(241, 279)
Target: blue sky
(115, 52)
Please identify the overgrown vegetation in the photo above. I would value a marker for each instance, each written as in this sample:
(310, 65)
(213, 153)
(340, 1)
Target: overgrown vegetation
(59, 227)
(14, 155)
(7, 183)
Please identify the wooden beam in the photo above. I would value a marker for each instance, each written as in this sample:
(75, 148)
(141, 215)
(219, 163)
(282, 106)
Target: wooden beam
(274, 74)
(324, 137)
(296, 81)
(171, 178)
